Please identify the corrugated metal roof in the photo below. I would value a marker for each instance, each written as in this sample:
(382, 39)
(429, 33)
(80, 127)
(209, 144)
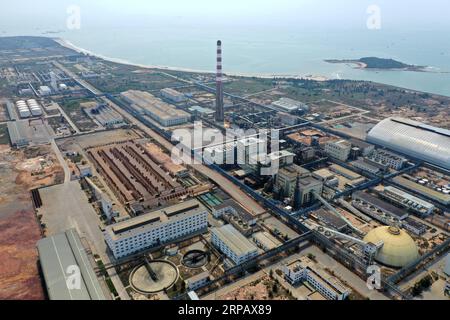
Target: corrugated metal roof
(57, 254)
(414, 139)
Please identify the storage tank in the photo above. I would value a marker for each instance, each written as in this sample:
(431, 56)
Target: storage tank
(398, 250)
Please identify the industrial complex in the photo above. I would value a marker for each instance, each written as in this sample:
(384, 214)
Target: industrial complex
(289, 191)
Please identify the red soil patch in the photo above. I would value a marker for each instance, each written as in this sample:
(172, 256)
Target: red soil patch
(19, 277)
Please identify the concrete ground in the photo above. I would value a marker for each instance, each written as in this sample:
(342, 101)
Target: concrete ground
(66, 206)
(342, 273)
(273, 223)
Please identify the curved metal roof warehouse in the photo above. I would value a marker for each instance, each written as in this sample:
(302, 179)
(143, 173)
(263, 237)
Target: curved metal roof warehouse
(415, 139)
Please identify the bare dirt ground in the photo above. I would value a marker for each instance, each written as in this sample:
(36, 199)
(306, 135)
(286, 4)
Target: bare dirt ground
(21, 171)
(261, 289)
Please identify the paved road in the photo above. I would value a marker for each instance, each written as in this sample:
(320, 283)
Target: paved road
(72, 124)
(63, 163)
(66, 214)
(237, 194)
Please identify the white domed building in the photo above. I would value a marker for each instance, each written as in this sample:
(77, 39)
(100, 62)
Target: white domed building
(398, 250)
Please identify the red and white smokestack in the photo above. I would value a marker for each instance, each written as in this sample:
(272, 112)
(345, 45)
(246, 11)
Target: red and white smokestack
(219, 85)
(219, 61)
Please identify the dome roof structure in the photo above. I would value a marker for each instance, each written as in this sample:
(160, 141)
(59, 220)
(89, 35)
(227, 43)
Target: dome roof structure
(398, 248)
(414, 139)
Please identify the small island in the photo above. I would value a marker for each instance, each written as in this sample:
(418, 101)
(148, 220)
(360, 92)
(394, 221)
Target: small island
(380, 64)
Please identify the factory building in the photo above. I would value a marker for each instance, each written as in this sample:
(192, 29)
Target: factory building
(346, 173)
(22, 108)
(327, 177)
(105, 115)
(414, 226)
(370, 166)
(233, 244)
(286, 178)
(339, 150)
(61, 256)
(18, 134)
(408, 201)
(202, 111)
(247, 148)
(156, 228)
(274, 161)
(377, 208)
(232, 212)
(173, 95)
(45, 91)
(364, 148)
(423, 190)
(34, 107)
(414, 139)
(384, 157)
(447, 265)
(330, 219)
(165, 114)
(305, 269)
(289, 105)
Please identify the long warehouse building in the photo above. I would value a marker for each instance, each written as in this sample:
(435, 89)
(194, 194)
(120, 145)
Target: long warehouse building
(165, 114)
(63, 258)
(413, 138)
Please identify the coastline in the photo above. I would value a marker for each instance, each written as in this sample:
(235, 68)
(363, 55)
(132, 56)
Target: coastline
(67, 44)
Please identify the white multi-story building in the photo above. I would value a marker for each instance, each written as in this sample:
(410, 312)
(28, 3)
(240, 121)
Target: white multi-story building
(221, 154)
(248, 148)
(155, 228)
(173, 95)
(304, 269)
(393, 160)
(339, 150)
(233, 244)
(197, 281)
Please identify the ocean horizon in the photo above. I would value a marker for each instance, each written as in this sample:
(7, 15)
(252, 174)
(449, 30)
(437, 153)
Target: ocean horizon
(281, 51)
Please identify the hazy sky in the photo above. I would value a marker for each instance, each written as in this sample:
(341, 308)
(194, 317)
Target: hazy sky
(331, 14)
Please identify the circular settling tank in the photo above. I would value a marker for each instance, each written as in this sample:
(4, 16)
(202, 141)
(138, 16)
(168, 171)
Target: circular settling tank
(195, 259)
(154, 276)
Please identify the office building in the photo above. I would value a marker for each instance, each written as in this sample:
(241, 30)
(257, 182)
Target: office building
(197, 281)
(305, 269)
(156, 228)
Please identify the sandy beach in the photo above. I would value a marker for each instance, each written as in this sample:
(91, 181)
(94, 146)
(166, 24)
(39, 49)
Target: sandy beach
(69, 45)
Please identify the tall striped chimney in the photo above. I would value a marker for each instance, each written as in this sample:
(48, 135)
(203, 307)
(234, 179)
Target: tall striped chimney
(219, 85)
